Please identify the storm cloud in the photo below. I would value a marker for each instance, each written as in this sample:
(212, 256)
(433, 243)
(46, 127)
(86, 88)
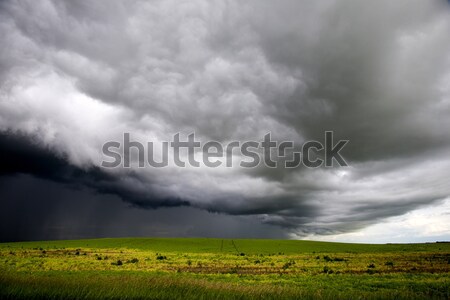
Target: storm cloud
(76, 74)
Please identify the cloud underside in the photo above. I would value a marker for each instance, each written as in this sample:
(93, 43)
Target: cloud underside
(75, 74)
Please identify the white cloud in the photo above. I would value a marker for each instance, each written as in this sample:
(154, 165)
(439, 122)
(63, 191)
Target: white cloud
(426, 224)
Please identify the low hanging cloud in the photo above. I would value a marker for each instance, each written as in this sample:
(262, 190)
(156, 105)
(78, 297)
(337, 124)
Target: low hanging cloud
(76, 74)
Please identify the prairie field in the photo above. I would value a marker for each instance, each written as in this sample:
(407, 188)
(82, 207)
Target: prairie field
(200, 268)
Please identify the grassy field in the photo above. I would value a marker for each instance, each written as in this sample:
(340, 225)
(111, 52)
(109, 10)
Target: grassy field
(159, 268)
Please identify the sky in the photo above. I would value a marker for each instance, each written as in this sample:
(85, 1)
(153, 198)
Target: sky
(77, 74)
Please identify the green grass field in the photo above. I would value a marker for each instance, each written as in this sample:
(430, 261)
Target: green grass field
(165, 268)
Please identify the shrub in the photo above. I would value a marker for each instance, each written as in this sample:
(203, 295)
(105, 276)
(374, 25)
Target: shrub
(288, 264)
(134, 260)
(338, 259)
(329, 259)
(371, 266)
(161, 257)
(118, 263)
(389, 263)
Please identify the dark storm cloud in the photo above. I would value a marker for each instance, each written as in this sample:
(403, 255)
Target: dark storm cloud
(370, 74)
(19, 154)
(39, 209)
(76, 74)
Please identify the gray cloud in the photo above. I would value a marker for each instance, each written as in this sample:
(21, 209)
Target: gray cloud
(76, 74)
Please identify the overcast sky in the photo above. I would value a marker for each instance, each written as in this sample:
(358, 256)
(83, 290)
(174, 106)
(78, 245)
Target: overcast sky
(76, 74)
